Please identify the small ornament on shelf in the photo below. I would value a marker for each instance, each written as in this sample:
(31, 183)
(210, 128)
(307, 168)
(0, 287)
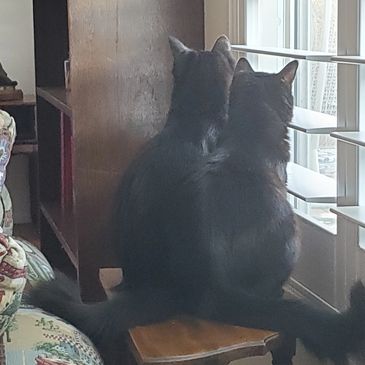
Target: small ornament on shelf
(8, 90)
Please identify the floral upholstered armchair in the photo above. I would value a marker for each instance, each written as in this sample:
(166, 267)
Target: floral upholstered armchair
(29, 336)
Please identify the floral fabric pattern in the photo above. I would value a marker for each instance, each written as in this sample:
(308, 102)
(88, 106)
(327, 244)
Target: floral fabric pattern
(6, 212)
(37, 338)
(38, 268)
(12, 279)
(30, 336)
(7, 138)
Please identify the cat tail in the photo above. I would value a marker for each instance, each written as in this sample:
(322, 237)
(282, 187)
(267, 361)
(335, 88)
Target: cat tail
(327, 334)
(103, 322)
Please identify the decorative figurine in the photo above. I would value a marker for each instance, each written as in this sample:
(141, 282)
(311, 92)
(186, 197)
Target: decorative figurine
(8, 89)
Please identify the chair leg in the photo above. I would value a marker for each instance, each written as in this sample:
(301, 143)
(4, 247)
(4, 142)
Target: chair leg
(283, 355)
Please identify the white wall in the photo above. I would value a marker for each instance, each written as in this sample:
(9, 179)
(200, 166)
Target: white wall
(16, 42)
(216, 20)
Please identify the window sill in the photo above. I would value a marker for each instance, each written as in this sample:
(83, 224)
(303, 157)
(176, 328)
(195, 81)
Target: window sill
(316, 224)
(310, 186)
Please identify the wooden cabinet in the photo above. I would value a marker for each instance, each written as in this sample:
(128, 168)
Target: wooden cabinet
(120, 93)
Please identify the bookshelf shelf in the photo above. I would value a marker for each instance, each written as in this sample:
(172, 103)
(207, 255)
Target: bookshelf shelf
(62, 223)
(56, 96)
(24, 149)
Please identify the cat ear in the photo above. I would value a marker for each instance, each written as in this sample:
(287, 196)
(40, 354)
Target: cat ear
(222, 45)
(287, 74)
(243, 65)
(178, 48)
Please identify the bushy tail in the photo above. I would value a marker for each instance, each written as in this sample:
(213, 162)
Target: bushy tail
(103, 322)
(327, 334)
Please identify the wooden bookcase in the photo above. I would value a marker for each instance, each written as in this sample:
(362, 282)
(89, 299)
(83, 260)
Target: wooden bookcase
(120, 93)
(54, 126)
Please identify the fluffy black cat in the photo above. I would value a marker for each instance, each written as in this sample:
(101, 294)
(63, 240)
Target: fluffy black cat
(225, 236)
(198, 112)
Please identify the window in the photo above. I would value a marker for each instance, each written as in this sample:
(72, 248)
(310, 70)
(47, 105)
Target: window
(324, 35)
(362, 127)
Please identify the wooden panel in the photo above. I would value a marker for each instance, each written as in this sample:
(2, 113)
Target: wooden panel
(121, 85)
(27, 100)
(95, 198)
(121, 80)
(66, 162)
(48, 121)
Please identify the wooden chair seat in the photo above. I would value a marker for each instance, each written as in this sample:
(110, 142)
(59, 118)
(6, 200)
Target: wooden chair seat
(192, 341)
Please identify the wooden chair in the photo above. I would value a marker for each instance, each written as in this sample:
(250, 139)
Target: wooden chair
(188, 341)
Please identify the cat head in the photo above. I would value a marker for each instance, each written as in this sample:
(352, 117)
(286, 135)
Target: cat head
(271, 91)
(261, 104)
(201, 78)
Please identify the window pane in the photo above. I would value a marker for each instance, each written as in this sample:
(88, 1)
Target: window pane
(266, 23)
(266, 27)
(316, 30)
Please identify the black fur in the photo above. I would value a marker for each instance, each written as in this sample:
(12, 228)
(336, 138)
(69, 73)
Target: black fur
(214, 236)
(198, 112)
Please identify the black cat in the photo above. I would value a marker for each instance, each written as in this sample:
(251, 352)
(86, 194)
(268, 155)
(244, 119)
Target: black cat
(228, 236)
(198, 112)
